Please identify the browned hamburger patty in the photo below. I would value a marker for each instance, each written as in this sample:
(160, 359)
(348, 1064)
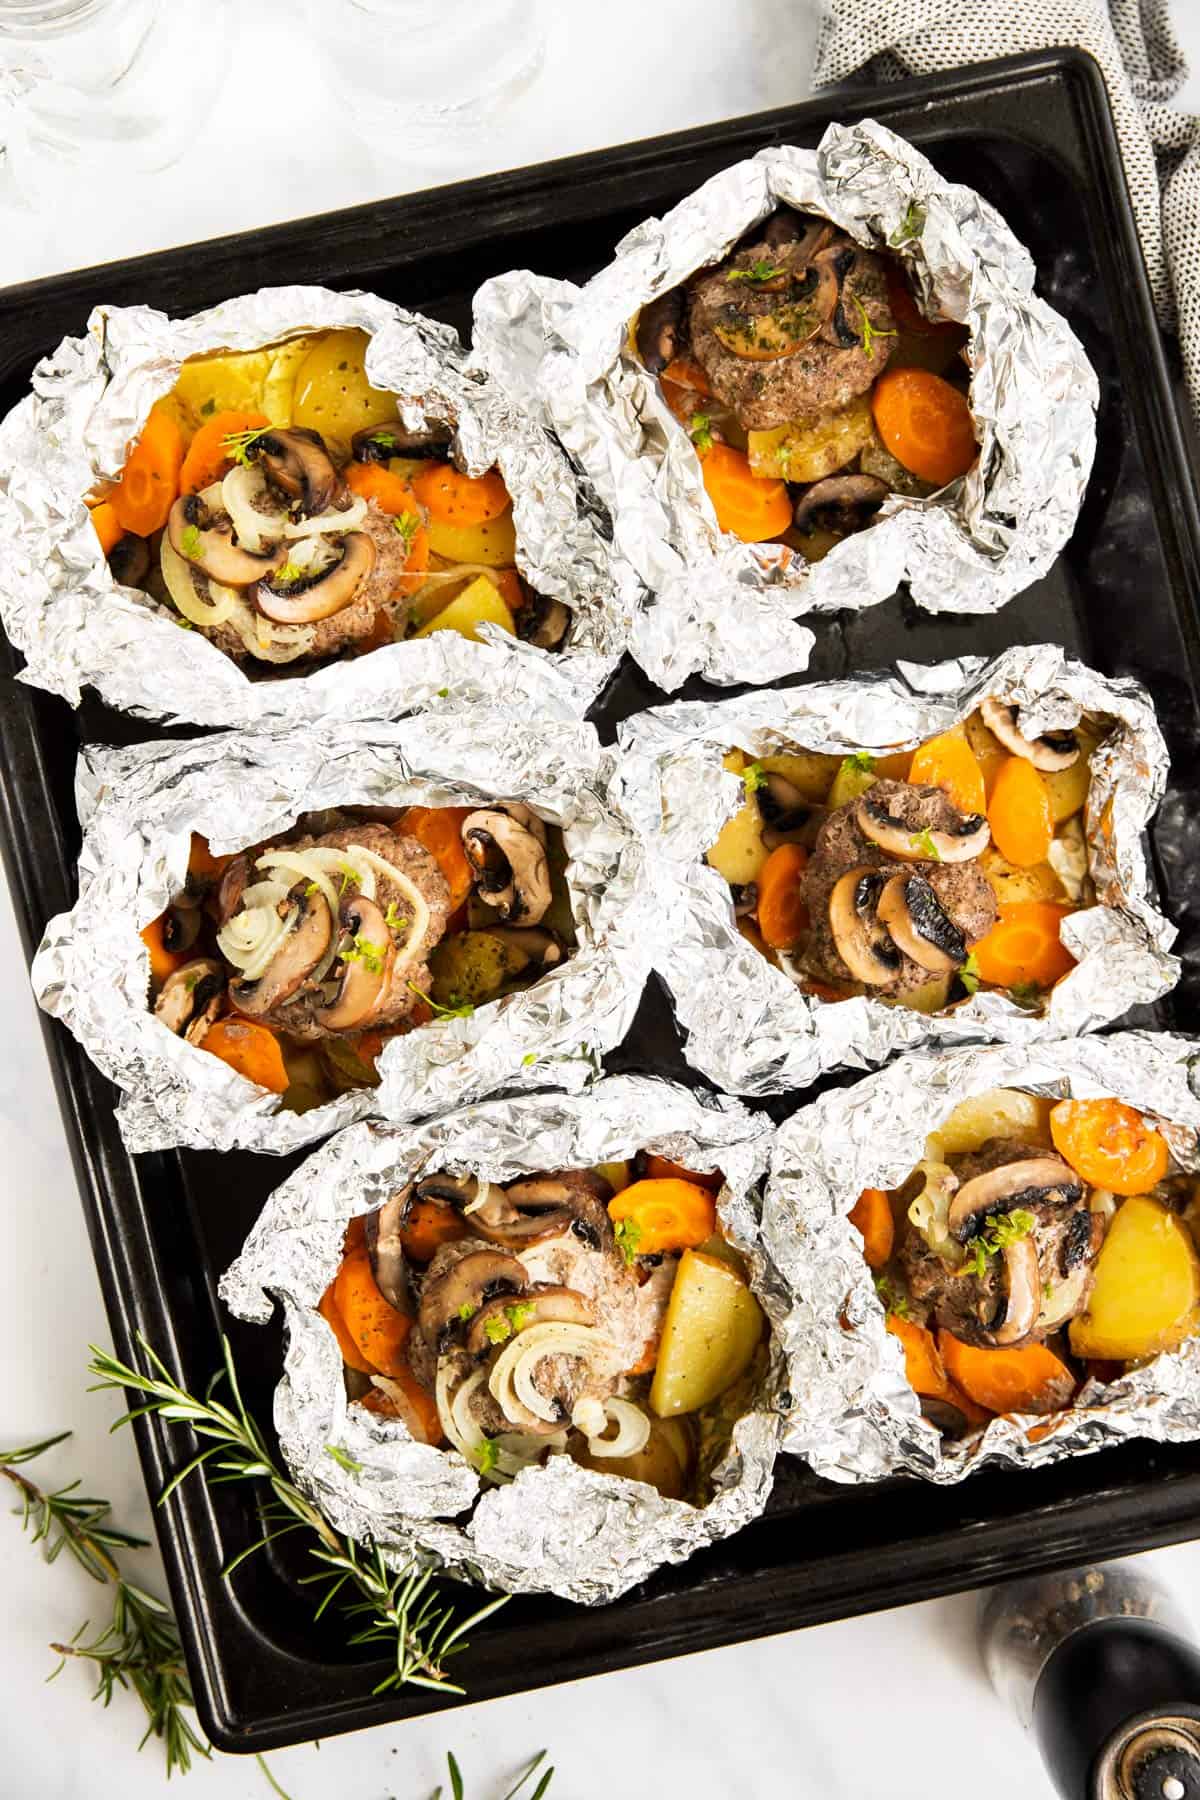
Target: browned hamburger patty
(820, 377)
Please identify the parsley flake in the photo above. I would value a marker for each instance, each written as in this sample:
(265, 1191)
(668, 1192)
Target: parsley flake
(996, 1236)
(628, 1234)
(753, 777)
(360, 949)
(310, 890)
(208, 408)
(487, 1456)
(860, 763)
(443, 693)
(497, 1329)
(911, 225)
(923, 841)
(189, 981)
(343, 1459)
(969, 974)
(287, 574)
(869, 332)
(528, 1060)
(467, 1311)
(520, 1313)
(761, 270)
(184, 624)
(463, 1010)
(701, 431)
(393, 918)
(238, 445)
(1025, 993)
(191, 542)
(408, 525)
(892, 1298)
(349, 874)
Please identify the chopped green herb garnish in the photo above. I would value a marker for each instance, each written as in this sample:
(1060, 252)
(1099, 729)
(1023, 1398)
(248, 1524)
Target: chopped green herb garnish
(349, 874)
(701, 431)
(443, 693)
(184, 624)
(497, 1329)
(753, 777)
(487, 1456)
(997, 1235)
(385, 439)
(628, 1234)
(910, 226)
(191, 542)
(761, 270)
(467, 1311)
(860, 763)
(189, 981)
(360, 949)
(520, 1313)
(343, 1459)
(393, 918)
(239, 444)
(1047, 1290)
(923, 841)
(310, 890)
(1025, 993)
(408, 525)
(969, 974)
(462, 1011)
(891, 1297)
(528, 1060)
(869, 332)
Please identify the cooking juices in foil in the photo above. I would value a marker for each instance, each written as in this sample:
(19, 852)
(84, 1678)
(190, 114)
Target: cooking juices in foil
(555, 1528)
(750, 1028)
(140, 808)
(854, 1415)
(78, 626)
(725, 608)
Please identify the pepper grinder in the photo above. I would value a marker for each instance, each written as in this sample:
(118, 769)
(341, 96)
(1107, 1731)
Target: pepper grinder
(1101, 1667)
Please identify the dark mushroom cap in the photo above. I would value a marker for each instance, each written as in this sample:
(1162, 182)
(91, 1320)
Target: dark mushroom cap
(296, 461)
(1031, 1181)
(839, 503)
(188, 993)
(379, 443)
(1053, 750)
(919, 926)
(859, 937)
(508, 860)
(212, 550)
(385, 1246)
(129, 560)
(542, 1303)
(320, 595)
(660, 330)
(451, 1298)
(363, 977)
(294, 961)
(539, 1207)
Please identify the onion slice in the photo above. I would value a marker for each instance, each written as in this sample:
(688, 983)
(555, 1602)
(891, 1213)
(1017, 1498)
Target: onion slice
(334, 522)
(242, 491)
(183, 584)
(514, 1367)
(633, 1430)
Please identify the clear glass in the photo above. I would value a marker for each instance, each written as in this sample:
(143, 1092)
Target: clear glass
(107, 84)
(431, 78)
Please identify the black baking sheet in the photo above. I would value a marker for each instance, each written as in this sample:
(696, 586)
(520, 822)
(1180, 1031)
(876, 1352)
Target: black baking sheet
(1035, 136)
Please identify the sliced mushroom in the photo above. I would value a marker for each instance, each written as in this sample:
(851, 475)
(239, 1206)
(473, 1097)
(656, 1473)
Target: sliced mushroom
(190, 994)
(660, 330)
(181, 928)
(1035, 1180)
(1015, 1315)
(379, 443)
(956, 838)
(1053, 750)
(364, 967)
(546, 1304)
(385, 1247)
(787, 816)
(861, 940)
(542, 621)
(745, 898)
(839, 503)
(230, 888)
(298, 464)
(509, 865)
(294, 961)
(319, 596)
(538, 944)
(918, 925)
(129, 560)
(212, 549)
(456, 1295)
(546, 1206)
(839, 259)
(787, 227)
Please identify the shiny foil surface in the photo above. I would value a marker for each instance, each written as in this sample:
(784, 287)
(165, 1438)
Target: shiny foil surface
(750, 1029)
(139, 807)
(853, 1415)
(727, 610)
(561, 1528)
(77, 627)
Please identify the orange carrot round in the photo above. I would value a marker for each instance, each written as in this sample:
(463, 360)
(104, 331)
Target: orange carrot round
(1024, 946)
(163, 962)
(1020, 814)
(352, 1356)
(1109, 1144)
(1029, 1379)
(658, 1168)
(418, 561)
(664, 1215)
(149, 481)
(781, 912)
(208, 459)
(414, 1406)
(948, 762)
(377, 1328)
(250, 1048)
(686, 372)
(372, 481)
(925, 423)
(202, 863)
(439, 829)
(905, 311)
(453, 498)
(922, 1364)
(429, 1226)
(107, 526)
(355, 1236)
(871, 1216)
(753, 507)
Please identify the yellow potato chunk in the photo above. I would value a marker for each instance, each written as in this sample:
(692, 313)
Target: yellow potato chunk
(1068, 788)
(930, 998)
(739, 852)
(851, 780)
(1146, 1298)
(1013, 885)
(280, 384)
(662, 1463)
(494, 543)
(478, 604)
(711, 1330)
(997, 1112)
(332, 394)
(808, 770)
(810, 449)
(615, 1173)
(987, 749)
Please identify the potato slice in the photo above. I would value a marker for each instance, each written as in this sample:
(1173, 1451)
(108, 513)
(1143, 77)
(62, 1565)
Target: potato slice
(851, 780)
(998, 1112)
(988, 751)
(711, 1330)
(615, 1173)
(1147, 1293)
(1068, 788)
(931, 998)
(478, 604)
(739, 852)
(1013, 885)
(472, 966)
(332, 395)
(810, 449)
(494, 544)
(808, 770)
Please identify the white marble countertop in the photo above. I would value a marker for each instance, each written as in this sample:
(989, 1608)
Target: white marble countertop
(792, 1715)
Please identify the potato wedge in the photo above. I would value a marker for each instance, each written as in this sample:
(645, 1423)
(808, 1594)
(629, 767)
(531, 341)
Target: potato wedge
(1068, 788)
(998, 1112)
(332, 395)
(1146, 1298)
(809, 449)
(472, 966)
(494, 543)
(930, 998)
(808, 770)
(615, 1173)
(478, 604)
(1013, 885)
(853, 778)
(739, 852)
(711, 1330)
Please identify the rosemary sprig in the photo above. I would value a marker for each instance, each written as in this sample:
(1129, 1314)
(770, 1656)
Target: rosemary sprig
(139, 1649)
(400, 1609)
(457, 1789)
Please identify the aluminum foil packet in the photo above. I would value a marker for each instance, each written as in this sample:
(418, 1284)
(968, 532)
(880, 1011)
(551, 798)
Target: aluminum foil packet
(727, 610)
(853, 1415)
(559, 1528)
(77, 626)
(139, 807)
(750, 1029)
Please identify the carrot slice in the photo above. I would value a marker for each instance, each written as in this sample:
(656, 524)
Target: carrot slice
(905, 311)
(355, 1235)
(377, 1328)
(781, 912)
(453, 498)
(948, 762)
(202, 863)
(1020, 814)
(250, 1048)
(922, 1364)
(871, 1215)
(372, 481)
(149, 481)
(429, 1226)
(753, 507)
(1109, 1144)
(352, 1356)
(208, 459)
(925, 423)
(163, 962)
(663, 1215)
(108, 527)
(1029, 1379)
(658, 1168)
(439, 829)
(414, 1406)
(970, 1409)
(1024, 946)
(686, 372)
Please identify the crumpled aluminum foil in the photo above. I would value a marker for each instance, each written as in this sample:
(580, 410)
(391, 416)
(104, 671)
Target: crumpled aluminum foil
(725, 609)
(77, 627)
(559, 1529)
(853, 1415)
(139, 807)
(751, 1030)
